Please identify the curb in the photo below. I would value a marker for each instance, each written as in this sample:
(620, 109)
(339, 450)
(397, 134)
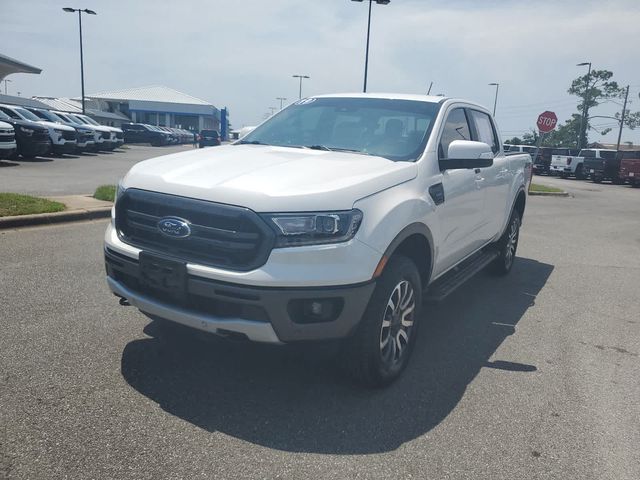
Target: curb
(56, 217)
(550, 194)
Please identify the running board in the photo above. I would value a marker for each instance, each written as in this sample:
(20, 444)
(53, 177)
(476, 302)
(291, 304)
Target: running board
(445, 285)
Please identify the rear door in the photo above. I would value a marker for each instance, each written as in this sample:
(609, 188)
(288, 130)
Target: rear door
(461, 214)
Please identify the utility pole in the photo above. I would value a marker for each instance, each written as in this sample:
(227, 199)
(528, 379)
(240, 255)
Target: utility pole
(282, 99)
(583, 123)
(624, 111)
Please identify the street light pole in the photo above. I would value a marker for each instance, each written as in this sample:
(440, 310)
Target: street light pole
(282, 99)
(300, 77)
(366, 56)
(584, 105)
(495, 100)
(90, 12)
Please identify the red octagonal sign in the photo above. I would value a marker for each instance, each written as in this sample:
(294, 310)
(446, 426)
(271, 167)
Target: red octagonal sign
(547, 121)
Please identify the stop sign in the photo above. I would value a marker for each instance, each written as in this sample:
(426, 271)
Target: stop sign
(547, 121)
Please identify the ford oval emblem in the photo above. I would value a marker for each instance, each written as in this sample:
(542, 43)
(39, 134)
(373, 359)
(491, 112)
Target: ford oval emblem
(174, 227)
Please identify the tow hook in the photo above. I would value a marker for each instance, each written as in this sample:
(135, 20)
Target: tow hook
(124, 302)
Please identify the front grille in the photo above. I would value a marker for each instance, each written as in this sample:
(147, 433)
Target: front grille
(106, 135)
(69, 135)
(40, 136)
(7, 137)
(225, 236)
(120, 135)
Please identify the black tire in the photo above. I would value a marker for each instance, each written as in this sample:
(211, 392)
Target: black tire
(617, 181)
(507, 246)
(378, 352)
(579, 172)
(596, 179)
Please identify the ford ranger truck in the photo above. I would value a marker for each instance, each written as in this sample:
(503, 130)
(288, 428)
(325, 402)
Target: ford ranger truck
(334, 219)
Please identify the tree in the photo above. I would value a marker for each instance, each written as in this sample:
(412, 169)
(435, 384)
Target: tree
(565, 135)
(513, 141)
(592, 89)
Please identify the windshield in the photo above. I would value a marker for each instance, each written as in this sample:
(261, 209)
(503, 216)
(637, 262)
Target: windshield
(27, 114)
(48, 116)
(79, 120)
(4, 116)
(394, 129)
(88, 120)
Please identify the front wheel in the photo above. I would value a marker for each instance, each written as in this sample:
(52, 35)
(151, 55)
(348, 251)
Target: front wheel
(380, 349)
(579, 172)
(507, 246)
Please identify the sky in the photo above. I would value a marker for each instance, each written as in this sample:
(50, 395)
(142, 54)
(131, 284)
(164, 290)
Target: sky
(241, 54)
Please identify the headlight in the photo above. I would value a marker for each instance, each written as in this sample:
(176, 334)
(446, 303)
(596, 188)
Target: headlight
(28, 131)
(119, 191)
(297, 229)
(60, 131)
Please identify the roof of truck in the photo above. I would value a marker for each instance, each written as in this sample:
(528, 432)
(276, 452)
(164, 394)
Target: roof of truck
(390, 96)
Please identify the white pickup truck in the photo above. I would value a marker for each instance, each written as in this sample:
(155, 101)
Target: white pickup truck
(567, 165)
(334, 219)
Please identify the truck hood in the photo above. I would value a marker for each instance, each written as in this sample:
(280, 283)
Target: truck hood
(58, 126)
(270, 179)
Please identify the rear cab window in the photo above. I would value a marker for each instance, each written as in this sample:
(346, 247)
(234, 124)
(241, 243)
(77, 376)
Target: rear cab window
(484, 131)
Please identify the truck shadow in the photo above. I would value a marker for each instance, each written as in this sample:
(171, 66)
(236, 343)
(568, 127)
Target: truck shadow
(295, 399)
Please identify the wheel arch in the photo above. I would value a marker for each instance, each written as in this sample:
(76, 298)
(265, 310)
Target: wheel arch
(415, 241)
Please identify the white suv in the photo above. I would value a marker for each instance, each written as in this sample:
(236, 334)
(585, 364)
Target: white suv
(63, 138)
(7, 141)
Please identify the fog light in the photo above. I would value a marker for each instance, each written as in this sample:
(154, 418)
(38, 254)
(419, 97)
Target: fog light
(315, 310)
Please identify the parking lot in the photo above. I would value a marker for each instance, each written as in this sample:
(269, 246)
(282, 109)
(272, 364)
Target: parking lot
(75, 174)
(535, 375)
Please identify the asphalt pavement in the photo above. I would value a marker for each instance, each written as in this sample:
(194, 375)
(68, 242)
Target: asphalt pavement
(75, 174)
(531, 376)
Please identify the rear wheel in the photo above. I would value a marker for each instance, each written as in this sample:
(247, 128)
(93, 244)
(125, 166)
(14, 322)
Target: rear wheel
(380, 349)
(579, 172)
(596, 179)
(507, 246)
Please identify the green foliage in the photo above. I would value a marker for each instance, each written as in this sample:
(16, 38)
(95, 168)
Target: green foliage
(15, 204)
(105, 192)
(513, 141)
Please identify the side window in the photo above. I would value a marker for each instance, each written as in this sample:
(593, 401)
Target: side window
(608, 155)
(484, 129)
(455, 128)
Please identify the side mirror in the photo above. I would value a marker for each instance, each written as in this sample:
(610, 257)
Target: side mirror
(467, 154)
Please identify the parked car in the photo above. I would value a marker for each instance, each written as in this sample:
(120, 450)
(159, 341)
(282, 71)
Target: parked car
(568, 165)
(32, 138)
(308, 231)
(104, 137)
(605, 166)
(630, 167)
(110, 142)
(142, 133)
(209, 138)
(63, 138)
(8, 145)
(87, 142)
(84, 135)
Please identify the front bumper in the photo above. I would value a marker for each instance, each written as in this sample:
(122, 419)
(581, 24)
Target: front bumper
(66, 147)
(7, 150)
(262, 314)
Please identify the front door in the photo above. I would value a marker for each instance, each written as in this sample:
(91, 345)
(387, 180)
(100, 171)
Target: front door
(461, 215)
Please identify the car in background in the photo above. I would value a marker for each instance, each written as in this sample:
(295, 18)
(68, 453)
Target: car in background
(542, 161)
(142, 133)
(110, 143)
(102, 134)
(606, 166)
(84, 134)
(63, 139)
(566, 165)
(630, 167)
(32, 138)
(209, 138)
(8, 144)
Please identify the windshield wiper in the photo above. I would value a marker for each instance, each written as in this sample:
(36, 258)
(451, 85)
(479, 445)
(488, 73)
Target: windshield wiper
(250, 142)
(318, 147)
